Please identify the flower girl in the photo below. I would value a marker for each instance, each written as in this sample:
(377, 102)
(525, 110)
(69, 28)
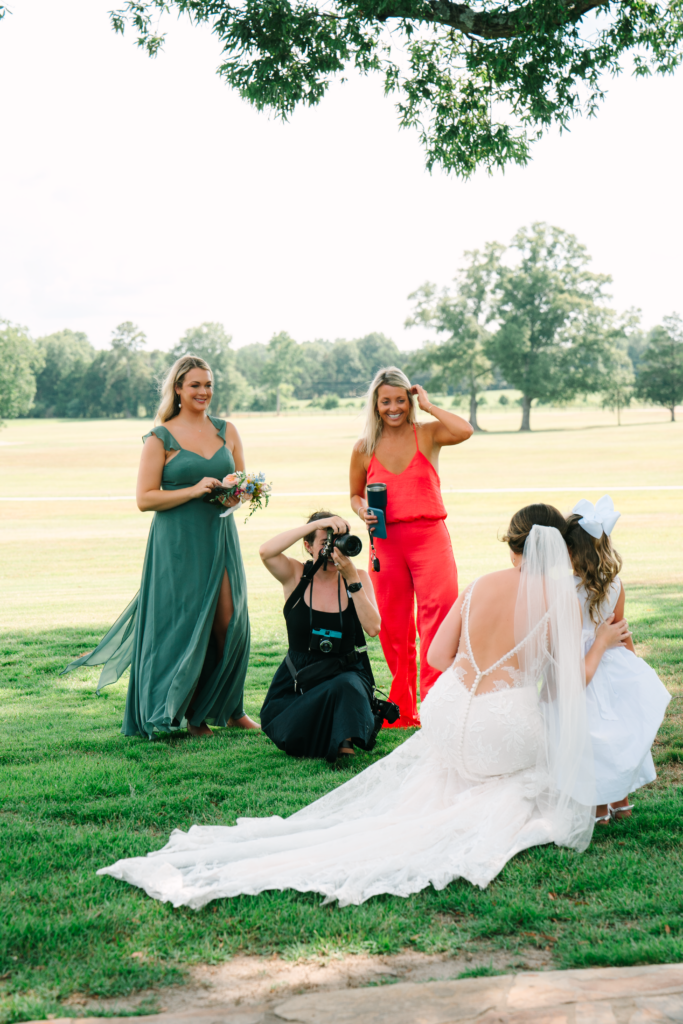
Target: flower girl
(626, 700)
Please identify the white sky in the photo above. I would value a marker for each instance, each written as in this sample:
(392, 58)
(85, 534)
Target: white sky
(145, 190)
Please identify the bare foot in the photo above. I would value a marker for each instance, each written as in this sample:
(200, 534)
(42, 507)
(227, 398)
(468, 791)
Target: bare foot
(199, 730)
(617, 808)
(245, 722)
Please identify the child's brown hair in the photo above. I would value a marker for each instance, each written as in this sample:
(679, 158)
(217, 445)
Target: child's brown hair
(595, 561)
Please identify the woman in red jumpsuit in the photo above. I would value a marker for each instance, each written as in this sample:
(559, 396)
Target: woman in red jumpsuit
(416, 558)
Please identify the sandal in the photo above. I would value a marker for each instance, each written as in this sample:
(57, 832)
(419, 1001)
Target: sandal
(346, 749)
(603, 819)
(619, 813)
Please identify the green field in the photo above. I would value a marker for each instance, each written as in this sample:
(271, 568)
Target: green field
(78, 563)
(75, 794)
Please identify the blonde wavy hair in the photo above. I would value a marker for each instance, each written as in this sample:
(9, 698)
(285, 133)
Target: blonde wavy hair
(169, 405)
(595, 561)
(372, 430)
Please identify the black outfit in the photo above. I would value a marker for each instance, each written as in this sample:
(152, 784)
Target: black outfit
(313, 723)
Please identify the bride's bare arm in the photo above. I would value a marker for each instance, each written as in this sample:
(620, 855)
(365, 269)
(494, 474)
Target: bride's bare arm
(444, 646)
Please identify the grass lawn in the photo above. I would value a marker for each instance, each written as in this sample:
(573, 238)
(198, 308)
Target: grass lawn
(75, 794)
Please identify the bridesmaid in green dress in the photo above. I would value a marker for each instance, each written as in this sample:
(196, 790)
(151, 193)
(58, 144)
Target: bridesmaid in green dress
(185, 635)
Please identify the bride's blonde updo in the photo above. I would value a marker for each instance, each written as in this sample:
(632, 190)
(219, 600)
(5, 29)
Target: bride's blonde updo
(169, 406)
(532, 515)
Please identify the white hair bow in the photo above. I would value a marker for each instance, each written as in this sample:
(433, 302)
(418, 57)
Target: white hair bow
(599, 518)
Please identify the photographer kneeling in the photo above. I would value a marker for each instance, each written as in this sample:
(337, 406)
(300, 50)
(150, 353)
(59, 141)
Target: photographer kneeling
(321, 700)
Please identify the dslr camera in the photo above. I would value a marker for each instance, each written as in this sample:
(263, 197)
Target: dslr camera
(344, 542)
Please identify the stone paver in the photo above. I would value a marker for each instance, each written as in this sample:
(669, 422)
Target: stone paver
(610, 995)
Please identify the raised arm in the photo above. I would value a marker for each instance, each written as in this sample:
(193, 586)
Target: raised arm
(449, 428)
(288, 570)
(149, 496)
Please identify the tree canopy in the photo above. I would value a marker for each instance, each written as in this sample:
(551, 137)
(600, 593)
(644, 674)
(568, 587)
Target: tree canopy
(554, 336)
(661, 368)
(479, 82)
(463, 315)
(19, 361)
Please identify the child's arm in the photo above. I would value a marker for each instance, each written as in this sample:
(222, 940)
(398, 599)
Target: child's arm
(619, 614)
(609, 634)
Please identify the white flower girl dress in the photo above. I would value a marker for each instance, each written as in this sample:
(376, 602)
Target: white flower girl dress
(625, 701)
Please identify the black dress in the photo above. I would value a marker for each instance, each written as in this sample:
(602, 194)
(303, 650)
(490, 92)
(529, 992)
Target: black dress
(314, 723)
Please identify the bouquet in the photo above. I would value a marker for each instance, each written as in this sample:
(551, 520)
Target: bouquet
(251, 487)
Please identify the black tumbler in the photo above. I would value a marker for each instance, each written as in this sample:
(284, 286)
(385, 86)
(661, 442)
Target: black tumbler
(377, 496)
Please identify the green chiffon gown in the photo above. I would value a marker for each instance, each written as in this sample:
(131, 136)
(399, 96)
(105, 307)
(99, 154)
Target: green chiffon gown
(165, 632)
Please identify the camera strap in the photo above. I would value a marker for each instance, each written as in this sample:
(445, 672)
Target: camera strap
(312, 675)
(310, 607)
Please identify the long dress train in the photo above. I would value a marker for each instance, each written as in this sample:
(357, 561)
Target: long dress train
(459, 799)
(165, 632)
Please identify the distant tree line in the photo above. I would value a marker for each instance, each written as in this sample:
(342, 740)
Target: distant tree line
(531, 317)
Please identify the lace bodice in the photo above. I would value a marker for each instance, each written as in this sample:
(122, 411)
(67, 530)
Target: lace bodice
(499, 732)
(469, 673)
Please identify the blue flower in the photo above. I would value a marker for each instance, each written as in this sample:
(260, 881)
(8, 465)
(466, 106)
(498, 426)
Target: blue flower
(249, 488)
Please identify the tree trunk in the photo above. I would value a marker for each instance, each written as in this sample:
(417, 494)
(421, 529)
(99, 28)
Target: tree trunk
(618, 415)
(473, 412)
(526, 413)
(673, 413)
(277, 400)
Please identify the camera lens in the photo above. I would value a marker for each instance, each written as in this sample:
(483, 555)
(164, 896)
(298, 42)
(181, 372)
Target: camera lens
(348, 544)
(326, 646)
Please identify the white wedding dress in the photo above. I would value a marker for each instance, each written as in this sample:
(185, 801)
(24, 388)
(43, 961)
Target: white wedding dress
(481, 781)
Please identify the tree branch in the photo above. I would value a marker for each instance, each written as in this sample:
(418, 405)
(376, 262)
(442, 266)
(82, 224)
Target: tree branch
(491, 24)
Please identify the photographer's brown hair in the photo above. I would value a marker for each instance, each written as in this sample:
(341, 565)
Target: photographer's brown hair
(320, 514)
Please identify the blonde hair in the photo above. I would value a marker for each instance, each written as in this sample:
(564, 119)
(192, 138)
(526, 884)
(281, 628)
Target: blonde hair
(169, 405)
(372, 431)
(595, 562)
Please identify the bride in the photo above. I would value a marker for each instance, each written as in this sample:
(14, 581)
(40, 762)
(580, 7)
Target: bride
(503, 761)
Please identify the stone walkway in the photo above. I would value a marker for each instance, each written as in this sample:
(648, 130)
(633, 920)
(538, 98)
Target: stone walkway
(611, 995)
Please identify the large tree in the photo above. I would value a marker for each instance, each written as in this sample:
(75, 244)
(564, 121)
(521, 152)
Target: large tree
(660, 376)
(282, 365)
(377, 351)
(461, 316)
(20, 360)
(479, 82)
(555, 334)
(59, 385)
(118, 380)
